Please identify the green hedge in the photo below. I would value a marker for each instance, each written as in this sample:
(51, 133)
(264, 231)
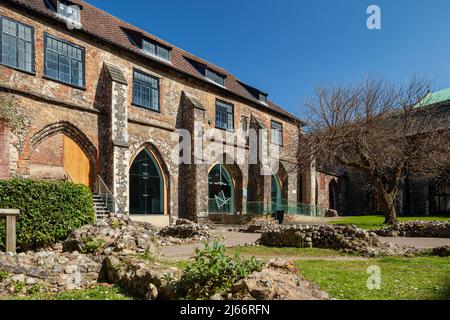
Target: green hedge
(50, 210)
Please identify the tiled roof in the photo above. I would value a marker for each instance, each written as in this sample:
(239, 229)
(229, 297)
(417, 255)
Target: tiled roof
(105, 26)
(435, 98)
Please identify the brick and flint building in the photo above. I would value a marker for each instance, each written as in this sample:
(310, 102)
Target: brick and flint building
(90, 98)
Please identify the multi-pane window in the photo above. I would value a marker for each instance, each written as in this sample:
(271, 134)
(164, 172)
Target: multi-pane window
(69, 12)
(64, 62)
(215, 77)
(145, 91)
(277, 133)
(155, 49)
(441, 198)
(224, 116)
(17, 45)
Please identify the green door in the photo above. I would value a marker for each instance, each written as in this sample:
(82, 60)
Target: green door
(146, 185)
(220, 191)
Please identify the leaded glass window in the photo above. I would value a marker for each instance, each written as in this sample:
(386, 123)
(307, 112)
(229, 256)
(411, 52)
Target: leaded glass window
(146, 91)
(64, 61)
(17, 45)
(224, 116)
(215, 77)
(155, 49)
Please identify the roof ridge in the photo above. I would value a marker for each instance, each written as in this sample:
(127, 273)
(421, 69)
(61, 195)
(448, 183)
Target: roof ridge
(164, 42)
(107, 27)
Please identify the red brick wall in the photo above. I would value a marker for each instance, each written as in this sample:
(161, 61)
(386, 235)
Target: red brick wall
(49, 152)
(4, 150)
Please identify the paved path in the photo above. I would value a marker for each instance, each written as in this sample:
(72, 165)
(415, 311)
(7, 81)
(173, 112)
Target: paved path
(231, 239)
(420, 243)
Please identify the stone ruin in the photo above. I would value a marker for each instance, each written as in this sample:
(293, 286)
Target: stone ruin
(348, 239)
(77, 262)
(421, 229)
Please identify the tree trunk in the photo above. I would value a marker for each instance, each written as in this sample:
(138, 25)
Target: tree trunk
(388, 204)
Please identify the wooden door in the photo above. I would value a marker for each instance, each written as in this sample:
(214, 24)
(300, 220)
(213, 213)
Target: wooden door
(76, 163)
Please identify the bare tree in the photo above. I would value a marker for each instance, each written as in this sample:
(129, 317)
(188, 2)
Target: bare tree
(380, 129)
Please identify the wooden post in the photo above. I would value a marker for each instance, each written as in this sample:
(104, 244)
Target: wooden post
(11, 219)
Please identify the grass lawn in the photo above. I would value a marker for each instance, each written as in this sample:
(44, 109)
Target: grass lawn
(376, 222)
(345, 277)
(424, 278)
(97, 293)
(262, 252)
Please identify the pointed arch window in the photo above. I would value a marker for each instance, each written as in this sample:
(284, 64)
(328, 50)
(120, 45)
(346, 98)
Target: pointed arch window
(276, 194)
(441, 197)
(146, 185)
(221, 191)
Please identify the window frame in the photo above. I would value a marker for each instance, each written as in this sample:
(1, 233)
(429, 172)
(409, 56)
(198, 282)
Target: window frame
(228, 113)
(68, 6)
(33, 46)
(157, 45)
(441, 193)
(83, 62)
(158, 81)
(262, 97)
(278, 143)
(209, 70)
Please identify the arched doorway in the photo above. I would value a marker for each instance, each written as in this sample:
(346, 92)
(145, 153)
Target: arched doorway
(333, 195)
(221, 191)
(276, 194)
(59, 157)
(147, 185)
(62, 151)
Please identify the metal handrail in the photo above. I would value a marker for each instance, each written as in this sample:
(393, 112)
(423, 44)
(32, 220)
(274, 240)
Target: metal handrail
(110, 201)
(67, 177)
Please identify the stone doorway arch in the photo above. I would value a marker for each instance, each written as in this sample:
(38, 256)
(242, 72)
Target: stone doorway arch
(72, 154)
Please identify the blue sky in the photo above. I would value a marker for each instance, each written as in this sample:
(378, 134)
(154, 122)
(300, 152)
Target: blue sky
(287, 47)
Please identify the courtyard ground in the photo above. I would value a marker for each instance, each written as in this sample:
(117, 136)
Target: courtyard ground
(343, 276)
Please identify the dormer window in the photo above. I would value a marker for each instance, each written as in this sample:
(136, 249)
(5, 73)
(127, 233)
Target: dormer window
(155, 49)
(215, 77)
(69, 12)
(262, 97)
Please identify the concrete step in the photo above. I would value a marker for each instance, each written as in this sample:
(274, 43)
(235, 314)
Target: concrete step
(101, 210)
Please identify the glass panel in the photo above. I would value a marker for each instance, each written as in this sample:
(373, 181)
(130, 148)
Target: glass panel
(16, 45)
(148, 47)
(163, 53)
(276, 194)
(262, 97)
(224, 116)
(211, 75)
(64, 62)
(146, 186)
(221, 191)
(146, 91)
(64, 68)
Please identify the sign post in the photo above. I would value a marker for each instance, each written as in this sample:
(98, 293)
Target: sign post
(11, 218)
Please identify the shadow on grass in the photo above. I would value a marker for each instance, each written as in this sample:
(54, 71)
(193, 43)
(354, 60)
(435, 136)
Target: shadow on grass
(446, 292)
